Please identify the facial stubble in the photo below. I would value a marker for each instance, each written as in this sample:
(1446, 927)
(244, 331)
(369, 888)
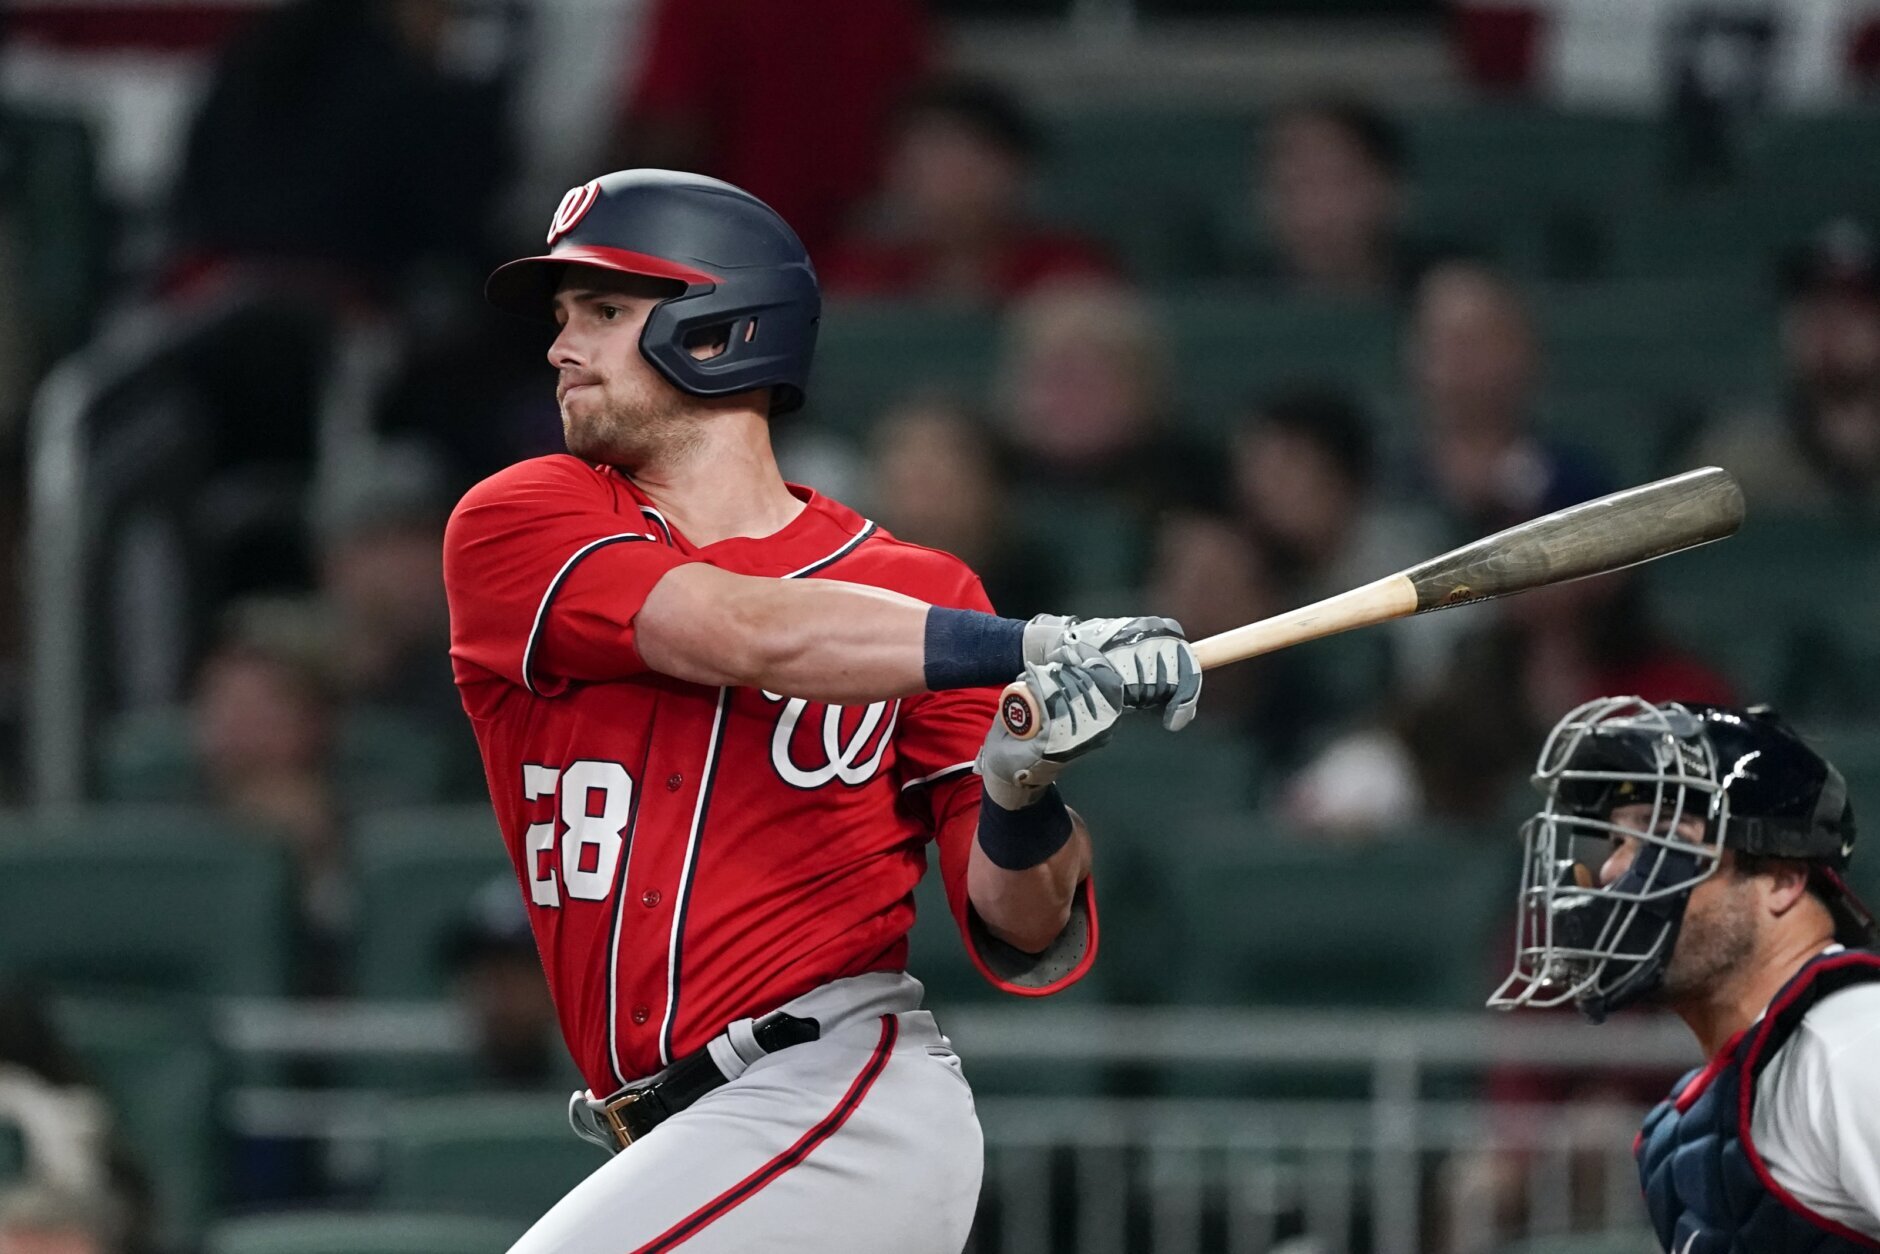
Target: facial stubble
(651, 426)
(1716, 941)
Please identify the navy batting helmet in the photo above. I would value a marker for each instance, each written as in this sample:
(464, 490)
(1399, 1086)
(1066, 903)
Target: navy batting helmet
(746, 278)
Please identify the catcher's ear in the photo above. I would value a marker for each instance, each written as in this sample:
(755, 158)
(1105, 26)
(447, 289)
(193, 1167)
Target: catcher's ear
(1783, 884)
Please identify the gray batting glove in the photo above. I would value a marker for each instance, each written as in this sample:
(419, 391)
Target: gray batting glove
(1155, 660)
(1079, 702)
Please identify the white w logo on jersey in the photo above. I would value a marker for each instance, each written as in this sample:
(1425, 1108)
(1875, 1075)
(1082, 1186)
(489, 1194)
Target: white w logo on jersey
(844, 756)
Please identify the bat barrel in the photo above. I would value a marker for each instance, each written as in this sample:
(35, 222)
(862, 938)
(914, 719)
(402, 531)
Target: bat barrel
(1608, 534)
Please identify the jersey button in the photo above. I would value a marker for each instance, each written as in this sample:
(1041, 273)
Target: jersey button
(650, 898)
(641, 1014)
(673, 781)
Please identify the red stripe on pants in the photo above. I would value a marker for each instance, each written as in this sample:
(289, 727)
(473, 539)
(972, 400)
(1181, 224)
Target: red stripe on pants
(825, 1128)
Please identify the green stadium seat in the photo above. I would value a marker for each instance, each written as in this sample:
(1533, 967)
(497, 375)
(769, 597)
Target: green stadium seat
(1515, 156)
(370, 1233)
(157, 1067)
(144, 899)
(510, 1155)
(872, 354)
(60, 224)
(1147, 182)
(1633, 434)
(1813, 586)
(385, 758)
(1230, 349)
(1415, 923)
(1663, 338)
(1815, 162)
(1147, 781)
(418, 870)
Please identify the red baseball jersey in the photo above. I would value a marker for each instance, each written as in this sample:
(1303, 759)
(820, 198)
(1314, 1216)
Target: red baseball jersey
(692, 855)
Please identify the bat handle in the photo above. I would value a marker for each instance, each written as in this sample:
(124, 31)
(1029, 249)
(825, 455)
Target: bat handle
(1018, 710)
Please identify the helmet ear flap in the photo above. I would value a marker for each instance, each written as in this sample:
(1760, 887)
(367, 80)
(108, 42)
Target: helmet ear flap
(766, 340)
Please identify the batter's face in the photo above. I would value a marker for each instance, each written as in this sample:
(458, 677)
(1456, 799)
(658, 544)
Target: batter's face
(1718, 935)
(615, 407)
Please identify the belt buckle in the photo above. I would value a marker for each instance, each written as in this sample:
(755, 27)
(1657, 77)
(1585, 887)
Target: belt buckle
(611, 1113)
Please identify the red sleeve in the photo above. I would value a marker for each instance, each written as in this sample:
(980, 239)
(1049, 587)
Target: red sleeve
(938, 738)
(544, 575)
(678, 65)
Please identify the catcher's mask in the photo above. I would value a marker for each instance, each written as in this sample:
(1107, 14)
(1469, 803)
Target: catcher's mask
(1751, 783)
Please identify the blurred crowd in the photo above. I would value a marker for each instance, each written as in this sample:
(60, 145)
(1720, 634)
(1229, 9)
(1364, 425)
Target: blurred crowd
(352, 166)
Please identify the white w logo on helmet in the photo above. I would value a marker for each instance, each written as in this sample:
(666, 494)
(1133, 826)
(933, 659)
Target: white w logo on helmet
(573, 208)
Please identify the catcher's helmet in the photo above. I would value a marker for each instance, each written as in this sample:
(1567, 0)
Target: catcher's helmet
(745, 278)
(1758, 788)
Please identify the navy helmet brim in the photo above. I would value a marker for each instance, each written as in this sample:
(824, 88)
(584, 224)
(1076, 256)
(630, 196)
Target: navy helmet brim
(526, 286)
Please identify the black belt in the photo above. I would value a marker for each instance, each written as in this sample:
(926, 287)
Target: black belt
(632, 1113)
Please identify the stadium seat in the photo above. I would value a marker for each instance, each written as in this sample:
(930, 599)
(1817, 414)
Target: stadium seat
(1147, 181)
(144, 899)
(385, 758)
(369, 1233)
(1677, 338)
(1230, 349)
(1415, 923)
(1813, 586)
(510, 1155)
(161, 1075)
(418, 870)
(872, 354)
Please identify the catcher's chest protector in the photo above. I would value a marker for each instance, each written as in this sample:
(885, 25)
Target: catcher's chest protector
(1706, 1187)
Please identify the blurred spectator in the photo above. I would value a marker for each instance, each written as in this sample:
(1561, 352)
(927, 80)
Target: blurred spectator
(266, 724)
(1331, 202)
(940, 477)
(381, 534)
(955, 226)
(1475, 364)
(1086, 397)
(497, 978)
(1460, 752)
(788, 101)
(1821, 451)
(1207, 573)
(38, 1219)
(1305, 471)
(63, 1131)
(339, 141)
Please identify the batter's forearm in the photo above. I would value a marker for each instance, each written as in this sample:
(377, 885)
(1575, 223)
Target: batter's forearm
(819, 639)
(1028, 909)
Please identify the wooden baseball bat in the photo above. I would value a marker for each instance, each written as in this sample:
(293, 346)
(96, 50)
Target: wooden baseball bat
(1591, 538)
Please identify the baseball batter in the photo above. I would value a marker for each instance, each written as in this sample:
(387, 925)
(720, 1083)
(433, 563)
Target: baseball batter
(1692, 855)
(722, 717)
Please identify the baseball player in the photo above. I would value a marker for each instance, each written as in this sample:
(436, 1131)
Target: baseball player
(721, 718)
(1692, 856)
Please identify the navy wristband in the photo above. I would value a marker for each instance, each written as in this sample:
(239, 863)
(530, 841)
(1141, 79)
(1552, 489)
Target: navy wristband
(967, 649)
(1017, 840)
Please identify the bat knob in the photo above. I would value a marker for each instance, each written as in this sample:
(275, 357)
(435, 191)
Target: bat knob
(1018, 710)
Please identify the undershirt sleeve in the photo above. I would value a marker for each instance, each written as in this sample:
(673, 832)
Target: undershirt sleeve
(1816, 1119)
